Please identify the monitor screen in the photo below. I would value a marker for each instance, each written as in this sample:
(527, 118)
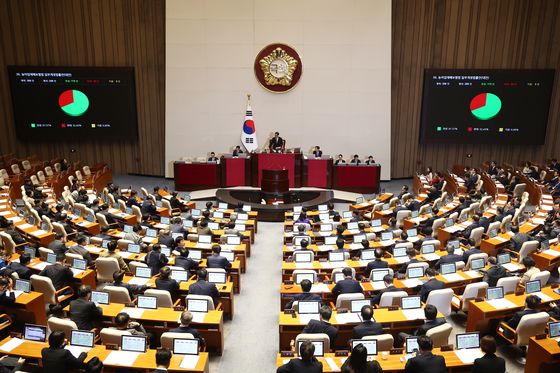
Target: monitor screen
(411, 345)
(195, 254)
(399, 252)
(428, 248)
(477, 264)
(79, 264)
(353, 225)
(22, 285)
(495, 293)
(82, 338)
(455, 243)
(302, 257)
(179, 276)
(218, 215)
(214, 226)
(195, 213)
(242, 217)
(360, 200)
(447, 268)
(359, 238)
(51, 258)
(35, 333)
(246, 208)
(233, 240)
(104, 243)
(323, 208)
(504, 258)
(299, 277)
(165, 220)
(356, 305)
(326, 227)
(166, 251)
(197, 305)
(449, 222)
(468, 340)
(229, 255)
(127, 229)
(223, 206)
(376, 223)
(70, 103)
(99, 297)
(410, 302)
(205, 238)
(147, 302)
(378, 274)
(369, 344)
(386, 236)
(29, 251)
(347, 214)
(338, 276)
(151, 232)
(324, 216)
(185, 346)
(414, 214)
(133, 343)
(532, 286)
(386, 206)
(133, 248)
(298, 239)
(217, 277)
(336, 256)
(187, 223)
(330, 240)
(413, 232)
(554, 329)
(367, 254)
(319, 348)
(305, 306)
(415, 272)
(144, 272)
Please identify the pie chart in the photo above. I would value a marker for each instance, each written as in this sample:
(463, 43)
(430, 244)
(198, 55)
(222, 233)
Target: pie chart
(485, 106)
(73, 102)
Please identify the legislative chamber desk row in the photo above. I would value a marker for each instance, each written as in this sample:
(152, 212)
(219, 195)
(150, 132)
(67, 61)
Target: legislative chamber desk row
(302, 172)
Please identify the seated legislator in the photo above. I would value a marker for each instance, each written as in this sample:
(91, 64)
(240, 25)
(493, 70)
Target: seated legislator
(122, 322)
(216, 260)
(83, 311)
(430, 311)
(367, 327)
(339, 160)
(165, 282)
(237, 151)
(58, 244)
(529, 263)
(489, 362)
(451, 257)
(377, 263)
(134, 236)
(322, 325)
(79, 249)
(355, 160)
(212, 157)
(104, 233)
(495, 272)
(203, 287)
(277, 144)
(185, 326)
(317, 152)
(304, 295)
(306, 363)
(20, 267)
(112, 253)
(425, 361)
(163, 360)
(347, 285)
(104, 210)
(118, 277)
(7, 295)
(358, 362)
(182, 260)
(60, 274)
(389, 286)
(473, 249)
(432, 284)
(165, 238)
(56, 358)
(156, 260)
(370, 161)
(532, 303)
(411, 253)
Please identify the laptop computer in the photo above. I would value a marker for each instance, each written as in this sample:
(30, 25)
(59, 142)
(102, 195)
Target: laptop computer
(352, 225)
(166, 251)
(205, 239)
(399, 252)
(369, 344)
(449, 222)
(195, 254)
(217, 277)
(146, 302)
(455, 243)
(322, 208)
(412, 232)
(359, 200)
(246, 208)
(35, 333)
(338, 276)
(493, 233)
(222, 206)
(495, 293)
(29, 251)
(197, 305)
(180, 276)
(326, 227)
(302, 257)
(347, 214)
(408, 303)
(151, 232)
(242, 217)
(386, 206)
(428, 248)
(133, 248)
(233, 240)
(358, 238)
(133, 343)
(188, 223)
(99, 297)
(375, 223)
(319, 348)
(448, 268)
(127, 229)
(185, 346)
(386, 236)
(367, 255)
(308, 307)
(79, 264)
(165, 220)
(554, 329)
(82, 338)
(214, 226)
(357, 304)
(51, 258)
(336, 256)
(532, 286)
(467, 340)
(218, 215)
(195, 213)
(477, 264)
(412, 345)
(298, 239)
(330, 240)
(22, 285)
(504, 258)
(129, 211)
(104, 243)
(415, 272)
(378, 274)
(144, 272)
(299, 277)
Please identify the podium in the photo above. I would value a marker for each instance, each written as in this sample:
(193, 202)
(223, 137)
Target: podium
(275, 181)
(317, 172)
(236, 171)
(277, 161)
(358, 179)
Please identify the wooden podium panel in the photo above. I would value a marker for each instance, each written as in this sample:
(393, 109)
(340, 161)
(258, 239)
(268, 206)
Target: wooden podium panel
(317, 172)
(359, 179)
(236, 171)
(195, 176)
(277, 161)
(275, 181)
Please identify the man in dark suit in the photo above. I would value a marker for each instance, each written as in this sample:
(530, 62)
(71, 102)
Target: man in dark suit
(132, 201)
(322, 325)
(21, 268)
(156, 260)
(377, 263)
(148, 207)
(306, 363)
(433, 194)
(104, 210)
(451, 257)
(165, 282)
(367, 327)
(276, 144)
(185, 326)
(317, 153)
(118, 277)
(470, 183)
(163, 359)
(492, 169)
(212, 157)
(404, 190)
(57, 359)
(83, 311)
(473, 249)
(412, 204)
(237, 151)
(103, 234)
(473, 225)
(347, 285)
(80, 249)
(425, 361)
(411, 253)
(518, 238)
(16, 236)
(203, 287)
(216, 260)
(431, 284)
(182, 260)
(532, 303)
(495, 272)
(430, 311)
(7, 295)
(304, 295)
(500, 214)
(166, 239)
(389, 287)
(489, 362)
(59, 273)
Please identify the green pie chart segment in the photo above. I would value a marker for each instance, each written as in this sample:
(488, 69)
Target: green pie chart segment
(73, 102)
(485, 106)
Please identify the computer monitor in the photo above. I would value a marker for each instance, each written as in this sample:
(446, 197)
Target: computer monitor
(521, 219)
(195, 254)
(338, 276)
(133, 343)
(477, 264)
(386, 206)
(151, 232)
(347, 214)
(165, 220)
(144, 272)
(412, 232)
(205, 238)
(299, 277)
(455, 243)
(468, 340)
(180, 276)
(82, 338)
(375, 223)
(545, 245)
(319, 347)
(29, 251)
(223, 206)
(554, 329)
(217, 277)
(428, 210)
(399, 252)
(412, 345)
(242, 217)
(214, 226)
(367, 254)
(233, 240)
(369, 344)
(408, 303)
(449, 222)
(51, 258)
(77, 212)
(324, 216)
(147, 302)
(36, 333)
(45, 226)
(386, 236)
(358, 238)
(229, 255)
(448, 268)
(133, 248)
(428, 248)
(303, 257)
(307, 307)
(298, 239)
(323, 208)
(182, 346)
(79, 264)
(336, 256)
(246, 208)
(90, 218)
(22, 285)
(188, 223)
(352, 225)
(504, 258)
(360, 200)
(166, 251)
(378, 274)
(357, 304)
(326, 227)
(104, 243)
(127, 229)
(495, 293)
(493, 233)
(532, 287)
(99, 297)
(508, 227)
(414, 214)
(195, 213)
(218, 215)
(197, 305)
(330, 240)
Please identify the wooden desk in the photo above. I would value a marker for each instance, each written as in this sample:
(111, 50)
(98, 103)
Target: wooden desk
(195, 176)
(29, 308)
(368, 205)
(543, 355)
(146, 361)
(87, 277)
(359, 179)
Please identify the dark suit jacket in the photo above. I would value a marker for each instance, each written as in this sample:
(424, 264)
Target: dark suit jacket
(449, 258)
(22, 271)
(111, 219)
(60, 275)
(414, 205)
(300, 366)
(156, 261)
(84, 313)
(7, 298)
(218, 261)
(366, 328)
(202, 287)
(484, 222)
(426, 363)
(60, 360)
(131, 288)
(347, 285)
(468, 230)
(148, 208)
(470, 252)
(431, 284)
(376, 264)
(188, 329)
(167, 241)
(371, 367)
(489, 363)
(404, 266)
(518, 240)
(428, 324)
(303, 296)
(494, 274)
(514, 321)
(58, 246)
(377, 298)
(317, 327)
(187, 263)
(170, 285)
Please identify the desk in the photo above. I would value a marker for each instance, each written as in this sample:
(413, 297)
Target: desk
(543, 355)
(29, 307)
(235, 171)
(277, 161)
(146, 361)
(317, 172)
(359, 179)
(195, 176)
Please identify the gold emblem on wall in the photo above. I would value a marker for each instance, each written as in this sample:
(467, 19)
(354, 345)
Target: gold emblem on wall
(278, 68)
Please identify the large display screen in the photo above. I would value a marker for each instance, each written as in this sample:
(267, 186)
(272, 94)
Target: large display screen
(485, 106)
(73, 103)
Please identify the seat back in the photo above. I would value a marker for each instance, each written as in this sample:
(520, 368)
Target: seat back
(8, 243)
(529, 326)
(112, 336)
(26, 165)
(63, 325)
(304, 271)
(315, 337)
(105, 268)
(306, 253)
(440, 334)
(87, 171)
(392, 298)
(118, 294)
(476, 256)
(71, 256)
(436, 225)
(527, 248)
(102, 220)
(203, 297)
(59, 228)
(441, 299)
(493, 226)
(474, 290)
(391, 272)
(345, 300)
(15, 169)
(43, 252)
(401, 215)
(505, 221)
(163, 297)
(384, 341)
(34, 180)
(133, 264)
(49, 171)
(43, 284)
(518, 190)
(423, 265)
(167, 338)
(423, 209)
(543, 276)
(137, 212)
(509, 283)
(476, 235)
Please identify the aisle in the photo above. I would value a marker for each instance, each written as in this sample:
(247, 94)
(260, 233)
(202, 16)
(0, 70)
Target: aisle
(251, 339)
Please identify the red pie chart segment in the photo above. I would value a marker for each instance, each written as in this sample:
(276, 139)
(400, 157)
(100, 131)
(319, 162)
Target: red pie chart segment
(66, 98)
(478, 101)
